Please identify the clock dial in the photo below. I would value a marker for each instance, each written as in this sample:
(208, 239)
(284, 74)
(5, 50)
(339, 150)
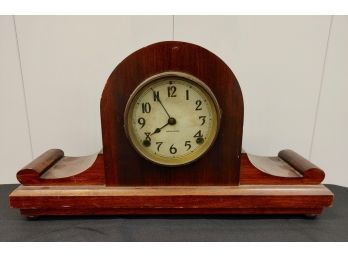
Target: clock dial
(172, 119)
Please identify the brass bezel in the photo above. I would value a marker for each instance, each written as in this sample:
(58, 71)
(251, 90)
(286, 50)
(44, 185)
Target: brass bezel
(186, 77)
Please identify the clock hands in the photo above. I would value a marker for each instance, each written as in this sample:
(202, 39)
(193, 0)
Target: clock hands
(171, 121)
(158, 130)
(159, 100)
(147, 141)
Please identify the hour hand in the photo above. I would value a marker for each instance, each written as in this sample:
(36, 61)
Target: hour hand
(158, 130)
(171, 121)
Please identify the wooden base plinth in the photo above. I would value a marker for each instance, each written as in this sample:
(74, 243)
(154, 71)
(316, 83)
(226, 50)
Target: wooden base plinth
(100, 200)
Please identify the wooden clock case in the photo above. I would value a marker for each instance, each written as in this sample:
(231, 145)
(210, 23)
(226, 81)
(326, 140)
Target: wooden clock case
(120, 181)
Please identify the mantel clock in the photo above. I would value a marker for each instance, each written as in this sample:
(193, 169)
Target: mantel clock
(172, 123)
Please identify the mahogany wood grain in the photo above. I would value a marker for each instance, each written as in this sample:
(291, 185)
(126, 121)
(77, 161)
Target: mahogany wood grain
(302, 165)
(45, 160)
(250, 175)
(168, 211)
(219, 166)
(120, 181)
(37, 201)
(31, 174)
(39, 165)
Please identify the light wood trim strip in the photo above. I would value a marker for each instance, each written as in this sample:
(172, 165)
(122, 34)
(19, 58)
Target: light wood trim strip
(96, 191)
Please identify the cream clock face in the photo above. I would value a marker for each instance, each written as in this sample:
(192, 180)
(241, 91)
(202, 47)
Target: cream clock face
(172, 119)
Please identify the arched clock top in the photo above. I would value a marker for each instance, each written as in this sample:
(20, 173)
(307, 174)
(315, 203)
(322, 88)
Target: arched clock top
(218, 165)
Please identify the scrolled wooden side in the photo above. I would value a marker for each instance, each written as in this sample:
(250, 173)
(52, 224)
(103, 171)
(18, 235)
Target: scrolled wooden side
(307, 172)
(31, 173)
(302, 165)
(54, 169)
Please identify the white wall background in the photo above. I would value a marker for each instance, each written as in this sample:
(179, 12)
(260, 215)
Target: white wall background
(293, 71)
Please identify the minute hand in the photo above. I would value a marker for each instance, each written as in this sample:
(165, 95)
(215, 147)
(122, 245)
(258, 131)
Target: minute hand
(159, 100)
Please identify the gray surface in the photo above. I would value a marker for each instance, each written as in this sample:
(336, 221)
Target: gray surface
(332, 225)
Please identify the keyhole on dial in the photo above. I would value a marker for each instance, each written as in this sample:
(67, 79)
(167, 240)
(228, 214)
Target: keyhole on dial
(146, 143)
(200, 140)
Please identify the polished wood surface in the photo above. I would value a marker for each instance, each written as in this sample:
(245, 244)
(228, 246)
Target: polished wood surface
(219, 166)
(35, 172)
(310, 175)
(170, 211)
(302, 165)
(101, 191)
(39, 165)
(94, 175)
(38, 201)
(120, 181)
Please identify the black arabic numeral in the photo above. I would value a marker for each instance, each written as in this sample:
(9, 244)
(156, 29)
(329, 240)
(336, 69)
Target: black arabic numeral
(198, 105)
(158, 145)
(172, 149)
(171, 91)
(147, 136)
(188, 144)
(141, 122)
(203, 119)
(156, 96)
(198, 134)
(146, 107)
